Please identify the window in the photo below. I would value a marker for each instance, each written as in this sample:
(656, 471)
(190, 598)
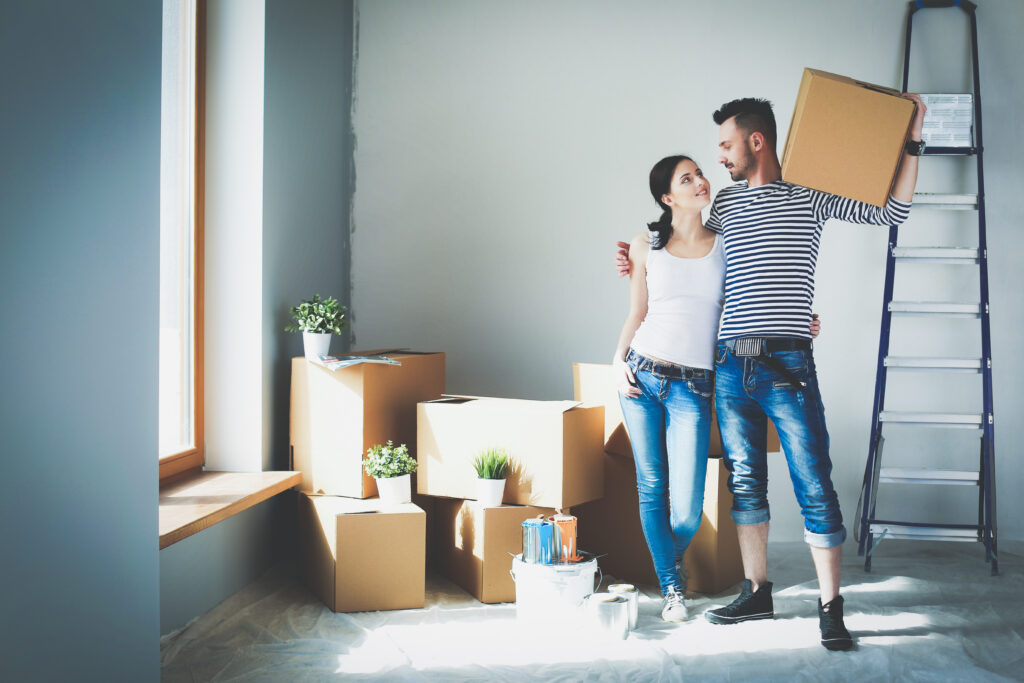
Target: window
(181, 204)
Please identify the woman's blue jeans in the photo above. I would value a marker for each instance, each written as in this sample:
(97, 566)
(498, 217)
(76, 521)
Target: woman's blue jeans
(669, 426)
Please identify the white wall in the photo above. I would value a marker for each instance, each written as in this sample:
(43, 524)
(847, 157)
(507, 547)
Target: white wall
(79, 247)
(502, 149)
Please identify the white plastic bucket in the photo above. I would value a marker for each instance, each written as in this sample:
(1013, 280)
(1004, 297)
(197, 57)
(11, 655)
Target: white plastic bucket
(552, 591)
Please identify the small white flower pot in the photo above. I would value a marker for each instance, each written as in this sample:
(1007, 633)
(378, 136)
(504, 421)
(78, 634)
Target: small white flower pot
(316, 344)
(395, 490)
(490, 492)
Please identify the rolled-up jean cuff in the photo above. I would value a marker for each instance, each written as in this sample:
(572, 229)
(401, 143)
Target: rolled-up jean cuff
(824, 540)
(747, 517)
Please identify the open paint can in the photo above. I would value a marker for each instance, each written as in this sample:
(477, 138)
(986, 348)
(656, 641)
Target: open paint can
(608, 615)
(632, 595)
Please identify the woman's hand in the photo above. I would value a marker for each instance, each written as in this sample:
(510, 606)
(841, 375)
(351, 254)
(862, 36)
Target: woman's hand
(625, 381)
(815, 326)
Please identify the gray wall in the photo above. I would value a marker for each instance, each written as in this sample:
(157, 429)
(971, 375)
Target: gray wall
(502, 149)
(307, 156)
(79, 227)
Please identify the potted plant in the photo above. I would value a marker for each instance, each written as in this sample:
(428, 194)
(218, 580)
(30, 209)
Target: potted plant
(391, 466)
(317, 319)
(492, 466)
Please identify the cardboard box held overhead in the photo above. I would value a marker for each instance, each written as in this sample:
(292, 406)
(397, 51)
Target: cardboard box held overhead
(555, 448)
(593, 383)
(473, 545)
(846, 137)
(358, 556)
(337, 415)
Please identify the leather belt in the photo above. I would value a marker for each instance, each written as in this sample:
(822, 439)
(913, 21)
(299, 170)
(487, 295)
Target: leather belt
(758, 349)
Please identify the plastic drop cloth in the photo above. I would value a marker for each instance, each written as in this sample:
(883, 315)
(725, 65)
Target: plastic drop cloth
(927, 612)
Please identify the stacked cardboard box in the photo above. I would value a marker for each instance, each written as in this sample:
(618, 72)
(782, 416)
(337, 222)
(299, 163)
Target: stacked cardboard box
(358, 555)
(555, 449)
(554, 446)
(337, 415)
(611, 526)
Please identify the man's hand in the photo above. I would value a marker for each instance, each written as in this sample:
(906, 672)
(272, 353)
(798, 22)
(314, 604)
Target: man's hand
(917, 127)
(815, 326)
(622, 258)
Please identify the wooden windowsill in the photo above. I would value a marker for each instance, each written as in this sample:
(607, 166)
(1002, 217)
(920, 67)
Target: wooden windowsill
(199, 501)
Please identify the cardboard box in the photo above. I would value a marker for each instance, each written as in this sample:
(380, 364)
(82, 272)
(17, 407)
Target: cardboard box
(593, 382)
(358, 556)
(846, 137)
(555, 447)
(611, 527)
(473, 545)
(337, 415)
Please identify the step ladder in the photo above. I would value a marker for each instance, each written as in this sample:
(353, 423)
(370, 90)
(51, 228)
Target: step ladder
(871, 529)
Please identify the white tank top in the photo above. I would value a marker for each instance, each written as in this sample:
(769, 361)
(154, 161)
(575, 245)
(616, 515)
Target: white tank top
(684, 307)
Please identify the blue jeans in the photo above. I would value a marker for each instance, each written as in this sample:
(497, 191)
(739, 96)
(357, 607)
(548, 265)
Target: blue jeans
(747, 393)
(669, 426)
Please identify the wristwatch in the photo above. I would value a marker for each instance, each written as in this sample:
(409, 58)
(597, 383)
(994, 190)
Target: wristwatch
(914, 148)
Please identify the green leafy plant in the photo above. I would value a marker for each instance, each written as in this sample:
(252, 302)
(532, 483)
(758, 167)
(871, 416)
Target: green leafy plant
(384, 462)
(318, 315)
(492, 463)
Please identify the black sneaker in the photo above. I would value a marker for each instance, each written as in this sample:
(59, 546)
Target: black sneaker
(747, 606)
(834, 635)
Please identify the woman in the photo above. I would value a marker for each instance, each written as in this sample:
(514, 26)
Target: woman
(663, 366)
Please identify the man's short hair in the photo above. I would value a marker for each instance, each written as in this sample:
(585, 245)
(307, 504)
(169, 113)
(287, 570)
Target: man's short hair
(752, 114)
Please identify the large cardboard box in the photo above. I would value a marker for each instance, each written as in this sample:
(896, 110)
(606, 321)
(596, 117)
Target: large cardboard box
(359, 556)
(555, 447)
(593, 383)
(474, 545)
(611, 527)
(337, 415)
(846, 136)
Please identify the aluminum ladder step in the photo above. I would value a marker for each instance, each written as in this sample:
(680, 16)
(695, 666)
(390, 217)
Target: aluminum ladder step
(953, 255)
(954, 420)
(923, 363)
(923, 533)
(946, 201)
(902, 475)
(946, 308)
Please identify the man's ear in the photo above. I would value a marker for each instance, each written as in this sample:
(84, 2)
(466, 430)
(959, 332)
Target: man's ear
(756, 141)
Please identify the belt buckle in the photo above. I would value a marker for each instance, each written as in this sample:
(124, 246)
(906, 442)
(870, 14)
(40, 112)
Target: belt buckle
(749, 346)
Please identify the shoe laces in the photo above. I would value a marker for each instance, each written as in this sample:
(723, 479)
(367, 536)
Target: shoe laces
(673, 598)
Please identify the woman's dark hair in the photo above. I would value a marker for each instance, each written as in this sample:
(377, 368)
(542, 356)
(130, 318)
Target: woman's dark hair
(661, 183)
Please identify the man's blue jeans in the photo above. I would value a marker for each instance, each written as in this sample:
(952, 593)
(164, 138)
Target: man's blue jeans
(747, 392)
(669, 426)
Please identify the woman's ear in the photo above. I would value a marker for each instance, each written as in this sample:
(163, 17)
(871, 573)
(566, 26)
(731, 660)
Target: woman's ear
(666, 199)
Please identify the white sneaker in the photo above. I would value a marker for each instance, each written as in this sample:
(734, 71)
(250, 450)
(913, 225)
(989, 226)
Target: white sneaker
(674, 608)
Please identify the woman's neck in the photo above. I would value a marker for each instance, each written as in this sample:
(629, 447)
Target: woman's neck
(687, 225)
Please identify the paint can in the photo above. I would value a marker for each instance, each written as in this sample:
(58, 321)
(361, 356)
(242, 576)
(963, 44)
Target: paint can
(608, 615)
(553, 593)
(566, 537)
(632, 595)
(539, 543)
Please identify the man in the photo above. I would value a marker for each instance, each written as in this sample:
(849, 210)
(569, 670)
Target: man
(764, 365)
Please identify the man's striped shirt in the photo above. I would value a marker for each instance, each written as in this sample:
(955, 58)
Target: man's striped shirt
(771, 235)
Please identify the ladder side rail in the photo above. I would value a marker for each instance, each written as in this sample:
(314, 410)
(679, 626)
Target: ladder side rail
(988, 426)
(878, 403)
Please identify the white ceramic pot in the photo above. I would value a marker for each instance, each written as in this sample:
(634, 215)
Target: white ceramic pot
(489, 492)
(394, 490)
(316, 344)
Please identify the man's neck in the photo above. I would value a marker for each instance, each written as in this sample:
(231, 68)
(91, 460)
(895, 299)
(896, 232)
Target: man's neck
(768, 171)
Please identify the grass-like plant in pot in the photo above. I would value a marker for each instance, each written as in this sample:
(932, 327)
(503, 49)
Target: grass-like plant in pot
(317, 319)
(492, 466)
(391, 466)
